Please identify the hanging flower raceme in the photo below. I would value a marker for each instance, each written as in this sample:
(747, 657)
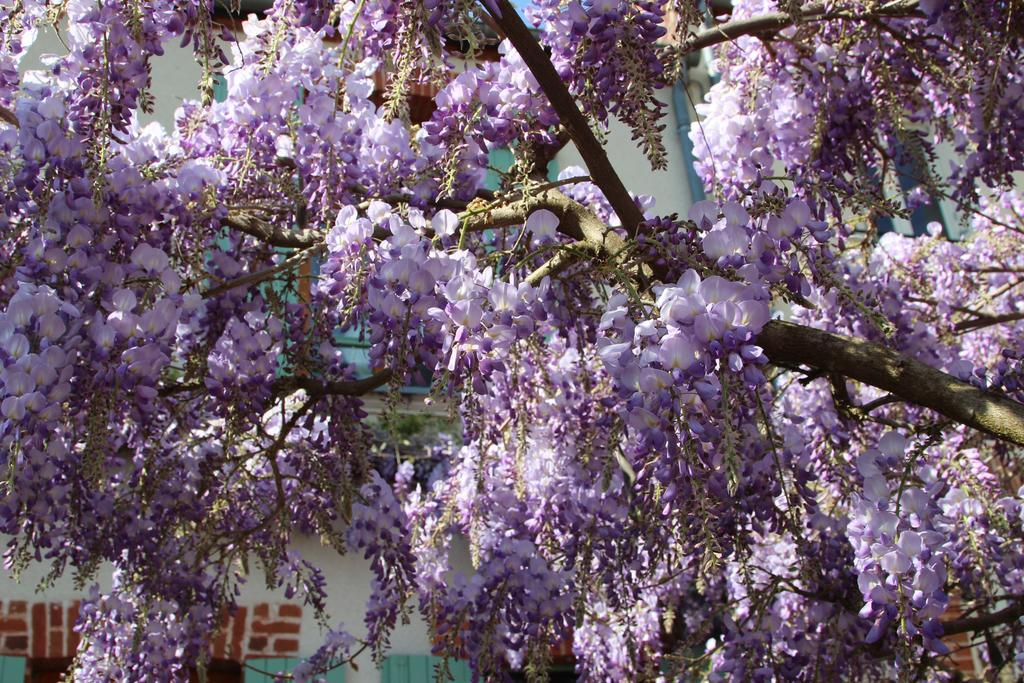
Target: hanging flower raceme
(901, 553)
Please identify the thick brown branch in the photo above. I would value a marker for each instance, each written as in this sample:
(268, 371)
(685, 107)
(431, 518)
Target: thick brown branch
(251, 224)
(356, 387)
(566, 256)
(980, 623)
(314, 387)
(776, 21)
(254, 278)
(878, 403)
(8, 116)
(900, 375)
(575, 220)
(601, 169)
(788, 344)
(987, 321)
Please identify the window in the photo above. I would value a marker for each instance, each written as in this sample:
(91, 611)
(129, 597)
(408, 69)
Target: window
(908, 177)
(263, 670)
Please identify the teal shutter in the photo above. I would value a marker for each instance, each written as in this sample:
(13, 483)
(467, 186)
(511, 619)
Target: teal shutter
(553, 170)
(12, 670)
(922, 215)
(355, 350)
(220, 88)
(420, 669)
(267, 668)
(500, 160)
(282, 665)
(681, 106)
(336, 675)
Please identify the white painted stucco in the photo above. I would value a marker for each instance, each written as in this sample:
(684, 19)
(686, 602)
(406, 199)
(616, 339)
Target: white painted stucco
(668, 187)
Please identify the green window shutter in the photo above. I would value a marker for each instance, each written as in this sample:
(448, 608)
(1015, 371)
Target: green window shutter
(220, 88)
(501, 159)
(267, 667)
(335, 675)
(282, 665)
(460, 671)
(553, 170)
(420, 669)
(12, 670)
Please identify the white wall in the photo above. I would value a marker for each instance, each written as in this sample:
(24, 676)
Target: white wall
(668, 187)
(175, 75)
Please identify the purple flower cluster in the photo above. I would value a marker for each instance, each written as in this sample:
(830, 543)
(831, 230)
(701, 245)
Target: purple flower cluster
(901, 552)
(129, 637)
(378, 530)
(608, 52)
(704, 326)
(244, 361)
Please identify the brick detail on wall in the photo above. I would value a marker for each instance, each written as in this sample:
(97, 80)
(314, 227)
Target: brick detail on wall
(262, 630)
(39, 629)
(14, 627)
(46, 630)
(276, 628)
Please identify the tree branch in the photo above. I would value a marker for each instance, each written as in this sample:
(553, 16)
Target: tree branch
(8, 116)
(987, 321)
(878, 403)
(1003, 616)
(259, 276)
(788, 344)
(601, 170)
(565, 257)
(315, 387)
(312, 386)
(575, 220)
(785, 343)
(250, 224)
(776, 21)
(900, 375)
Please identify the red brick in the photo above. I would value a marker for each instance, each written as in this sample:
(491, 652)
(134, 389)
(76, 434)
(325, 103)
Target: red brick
(238, 631)
(262, 611)
(56, 614)
(220, 643)
(39, 629)
(294, 611)
(15, 625)
(286, 645)
(57, 643)
(257, 644)
(276, 627)
(16, 645)
(561, 652)
(73, 636)
(17, 607)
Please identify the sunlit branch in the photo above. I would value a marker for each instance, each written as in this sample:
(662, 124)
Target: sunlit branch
(776, 21)
(594, 156)
(260, 276)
